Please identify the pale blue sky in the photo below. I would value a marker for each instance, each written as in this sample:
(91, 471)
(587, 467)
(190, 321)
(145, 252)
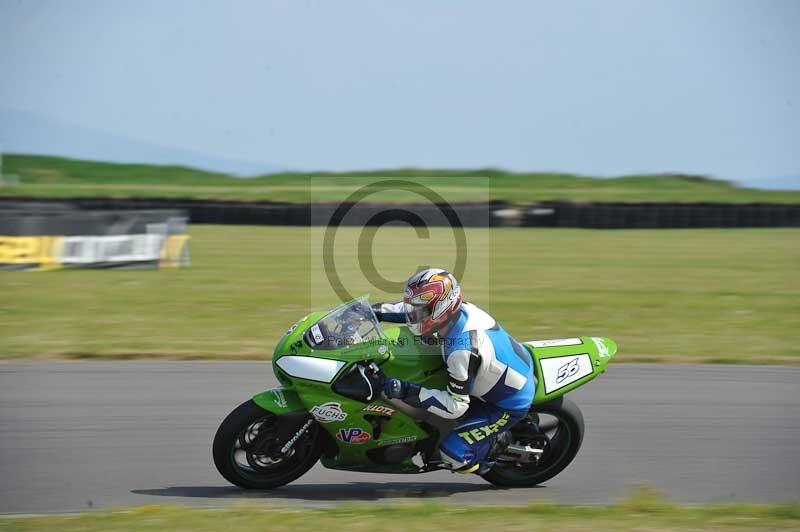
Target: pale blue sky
(603, 87)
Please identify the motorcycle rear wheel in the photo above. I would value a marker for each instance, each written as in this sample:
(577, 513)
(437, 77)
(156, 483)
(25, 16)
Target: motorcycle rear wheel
(248, 455)
(563, 441)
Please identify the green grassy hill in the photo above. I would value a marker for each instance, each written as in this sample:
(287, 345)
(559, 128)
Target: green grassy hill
(57, 177)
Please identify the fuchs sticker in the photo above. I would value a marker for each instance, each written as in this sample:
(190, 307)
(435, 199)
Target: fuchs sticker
(562, 371)
(379, 410)
(317, 334)
(353, 435)
(328, 413)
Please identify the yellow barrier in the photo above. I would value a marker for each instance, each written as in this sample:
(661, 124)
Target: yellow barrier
(172, 251)
(42, 252)
(47, 252)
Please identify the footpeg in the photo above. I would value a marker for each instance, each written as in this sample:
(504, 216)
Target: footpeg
(522, 453)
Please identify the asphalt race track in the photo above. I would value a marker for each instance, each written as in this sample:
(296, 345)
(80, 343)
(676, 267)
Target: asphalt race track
(78, 435)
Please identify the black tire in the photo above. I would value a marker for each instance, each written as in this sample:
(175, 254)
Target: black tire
(261, 471)
(563, 447)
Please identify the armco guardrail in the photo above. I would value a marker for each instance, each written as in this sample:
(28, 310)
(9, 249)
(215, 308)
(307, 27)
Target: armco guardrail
(546, 214)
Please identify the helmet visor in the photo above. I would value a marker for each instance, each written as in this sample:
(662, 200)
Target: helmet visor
(416, 314)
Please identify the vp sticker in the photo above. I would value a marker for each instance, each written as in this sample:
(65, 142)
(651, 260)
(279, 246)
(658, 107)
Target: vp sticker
(353, 435)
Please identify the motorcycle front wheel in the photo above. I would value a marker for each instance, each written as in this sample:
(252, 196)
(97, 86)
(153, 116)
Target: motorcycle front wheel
(247, 453)
(556, 430)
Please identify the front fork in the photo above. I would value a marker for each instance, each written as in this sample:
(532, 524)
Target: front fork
(286, 449)
(286, 405)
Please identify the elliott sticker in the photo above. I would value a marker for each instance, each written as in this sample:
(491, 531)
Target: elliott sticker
(328, 413)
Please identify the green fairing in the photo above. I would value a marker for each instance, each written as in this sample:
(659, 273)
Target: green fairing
(279, 401)
(588, 346)
(401, 355)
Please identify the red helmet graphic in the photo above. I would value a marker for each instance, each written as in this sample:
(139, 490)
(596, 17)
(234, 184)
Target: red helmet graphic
(432, 301)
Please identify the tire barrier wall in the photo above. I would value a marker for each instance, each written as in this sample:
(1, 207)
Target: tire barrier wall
(660, 215)
(273, 213)
(45, 238)
(546, 214)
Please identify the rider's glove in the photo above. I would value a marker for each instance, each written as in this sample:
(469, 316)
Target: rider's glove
(395, 388)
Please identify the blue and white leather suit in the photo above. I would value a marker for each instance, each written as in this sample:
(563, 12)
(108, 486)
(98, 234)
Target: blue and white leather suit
(490, 388)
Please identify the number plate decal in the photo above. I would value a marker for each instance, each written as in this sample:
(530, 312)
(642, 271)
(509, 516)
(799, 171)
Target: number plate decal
(558, 372)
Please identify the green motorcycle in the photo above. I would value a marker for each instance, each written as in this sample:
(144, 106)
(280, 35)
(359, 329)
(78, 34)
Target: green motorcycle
(330, 408)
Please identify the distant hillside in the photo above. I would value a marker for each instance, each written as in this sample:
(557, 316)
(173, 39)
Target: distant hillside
(27, 132)
(56, 177)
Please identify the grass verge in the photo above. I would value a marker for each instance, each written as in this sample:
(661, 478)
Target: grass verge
(724, 296)
(640, 512)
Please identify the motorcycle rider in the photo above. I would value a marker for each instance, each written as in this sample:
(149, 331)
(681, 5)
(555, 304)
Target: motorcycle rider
(483, 362)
